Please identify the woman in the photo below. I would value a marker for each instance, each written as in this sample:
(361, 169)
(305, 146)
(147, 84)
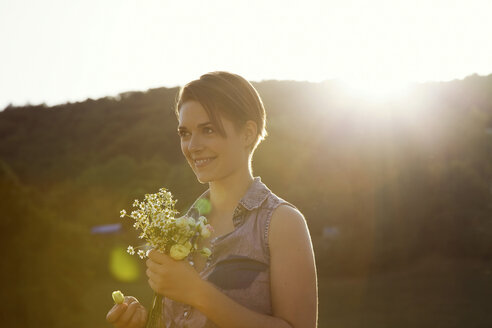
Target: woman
(262, 269)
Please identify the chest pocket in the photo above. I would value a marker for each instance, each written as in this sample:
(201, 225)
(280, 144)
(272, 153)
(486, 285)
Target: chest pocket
(236, 272)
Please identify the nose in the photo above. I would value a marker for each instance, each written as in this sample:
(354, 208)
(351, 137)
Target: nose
(195, 143)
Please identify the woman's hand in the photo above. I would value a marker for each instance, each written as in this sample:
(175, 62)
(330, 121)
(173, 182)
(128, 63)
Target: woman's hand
(129, 314)
(177, 280)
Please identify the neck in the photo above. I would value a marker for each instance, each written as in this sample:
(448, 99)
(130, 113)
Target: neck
(227, 192)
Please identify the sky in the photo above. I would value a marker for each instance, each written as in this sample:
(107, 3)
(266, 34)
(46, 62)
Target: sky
(58, 51)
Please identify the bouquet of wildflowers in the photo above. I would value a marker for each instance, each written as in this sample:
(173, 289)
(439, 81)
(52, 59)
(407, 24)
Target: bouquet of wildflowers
(177, 237)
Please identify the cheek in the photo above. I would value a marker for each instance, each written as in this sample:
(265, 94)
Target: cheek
(183, 148)
(184, 151)
(234, 154)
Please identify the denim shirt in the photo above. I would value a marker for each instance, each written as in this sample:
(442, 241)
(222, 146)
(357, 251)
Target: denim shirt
(240, 262)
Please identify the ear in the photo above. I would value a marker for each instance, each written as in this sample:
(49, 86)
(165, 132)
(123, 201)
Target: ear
(249, 132)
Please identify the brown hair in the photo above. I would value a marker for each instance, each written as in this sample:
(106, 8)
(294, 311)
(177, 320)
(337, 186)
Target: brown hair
(229, 95)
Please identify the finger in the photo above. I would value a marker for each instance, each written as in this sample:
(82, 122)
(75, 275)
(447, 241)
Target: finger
(126, 317)
(160, 258)
(152, 285)
(143, 314)
(138, 319)
(155, 277)
(154, 266)
(116, 311)
(129, 299)
(157, 269)
(156, 256)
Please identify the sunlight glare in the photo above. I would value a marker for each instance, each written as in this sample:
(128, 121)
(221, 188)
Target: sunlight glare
(375, 89)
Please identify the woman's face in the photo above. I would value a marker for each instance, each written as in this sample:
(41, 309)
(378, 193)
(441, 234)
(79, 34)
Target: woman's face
(211, 156)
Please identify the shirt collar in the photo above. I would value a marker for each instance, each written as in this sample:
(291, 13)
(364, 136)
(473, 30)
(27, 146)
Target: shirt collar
(252, 199)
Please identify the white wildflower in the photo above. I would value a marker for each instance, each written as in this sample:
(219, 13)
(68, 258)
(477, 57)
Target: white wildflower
(159, 226)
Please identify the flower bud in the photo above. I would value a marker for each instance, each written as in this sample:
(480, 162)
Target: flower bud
(182, 223)
(179, 252)
(206, 230)
(182, 239)
(202, 219)
(191, 221)
(205, 251)
(118, 297)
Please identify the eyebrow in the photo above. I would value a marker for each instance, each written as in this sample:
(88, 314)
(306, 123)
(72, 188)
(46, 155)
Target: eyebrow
(199, 125)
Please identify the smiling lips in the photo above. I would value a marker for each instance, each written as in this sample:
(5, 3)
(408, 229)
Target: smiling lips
(203, 161)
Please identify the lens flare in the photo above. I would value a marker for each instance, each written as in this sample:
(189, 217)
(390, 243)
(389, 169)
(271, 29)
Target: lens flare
(204, 206)
(122, 265)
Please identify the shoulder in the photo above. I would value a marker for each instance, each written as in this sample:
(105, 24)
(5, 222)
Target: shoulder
(287, 222)
(288, 214)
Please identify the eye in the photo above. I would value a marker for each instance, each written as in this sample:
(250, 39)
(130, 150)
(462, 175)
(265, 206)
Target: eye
(182, 134)
(206, 129)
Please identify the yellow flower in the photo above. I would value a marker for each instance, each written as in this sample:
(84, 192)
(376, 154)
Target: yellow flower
(179, 252)
(118, 297)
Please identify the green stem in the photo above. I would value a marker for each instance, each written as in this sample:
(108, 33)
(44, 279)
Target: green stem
(155, 318)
